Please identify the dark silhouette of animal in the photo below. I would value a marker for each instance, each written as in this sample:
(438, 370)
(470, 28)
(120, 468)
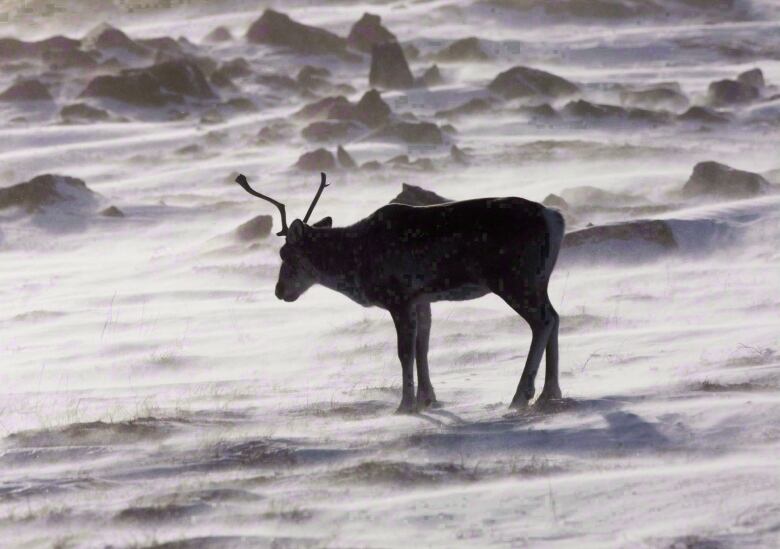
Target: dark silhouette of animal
(402, 258)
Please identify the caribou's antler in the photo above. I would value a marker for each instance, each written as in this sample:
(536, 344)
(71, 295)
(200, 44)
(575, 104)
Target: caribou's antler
(241, 180)
(316, 197)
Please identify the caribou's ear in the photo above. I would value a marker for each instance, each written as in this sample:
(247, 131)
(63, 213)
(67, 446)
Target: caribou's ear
(324, 222)
(295, 232)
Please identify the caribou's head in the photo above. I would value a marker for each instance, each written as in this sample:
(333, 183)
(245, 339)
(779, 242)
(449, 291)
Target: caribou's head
(297, 272)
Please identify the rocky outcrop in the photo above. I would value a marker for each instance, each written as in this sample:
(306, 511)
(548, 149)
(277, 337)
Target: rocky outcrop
(330, 130)
(26, 90)
(109, 39)
(412, 195)
(345, 159)
(472, 106)
(219, 34)
(656, 97)
(753, 77)
(431, 77)
(154, 86)
(371, 110)
(12, 48)
(714, 180)
(278, 29)
(320, 160)
(81, 112)
(389, 68)
(368, 31)
(112, 211)
(598, 111)
(256, 228)
(631, 233)
(730, 92)
(46, 190)
(417, 133)
(528, 82)
(704, 115)
(465, 49)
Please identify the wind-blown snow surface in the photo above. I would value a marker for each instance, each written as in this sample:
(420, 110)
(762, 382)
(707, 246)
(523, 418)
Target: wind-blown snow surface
(153, 390)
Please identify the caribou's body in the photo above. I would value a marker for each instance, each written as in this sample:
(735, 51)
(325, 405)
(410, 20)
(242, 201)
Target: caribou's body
(402, 258)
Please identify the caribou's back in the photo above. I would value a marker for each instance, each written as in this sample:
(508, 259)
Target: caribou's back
(457, 250)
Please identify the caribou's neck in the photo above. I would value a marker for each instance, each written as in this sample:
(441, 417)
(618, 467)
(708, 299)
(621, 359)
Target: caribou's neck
(336, 259)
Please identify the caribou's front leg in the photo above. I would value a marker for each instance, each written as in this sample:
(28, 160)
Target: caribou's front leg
(425, 394)
(405, 319)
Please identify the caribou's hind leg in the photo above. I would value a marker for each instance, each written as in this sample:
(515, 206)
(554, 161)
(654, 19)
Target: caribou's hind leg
(425, 395)
(405, 319)
(551, 389)
(543, 320)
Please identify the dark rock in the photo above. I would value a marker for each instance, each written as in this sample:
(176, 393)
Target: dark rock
(278, 29)
(472, 106)
(314, 78)
(322, 107)
(389, 68)
(279, 81)
(412, 195)
(654, 97)
(45, 190)
(465, 49)
(345, 159)
(241, 104)
(597, 111)
(586, 195)
(26, 90)
(411, 133)
(642, 231)
(12, 48)
(194, 148)
(555, 201)
(545, 110)
(729, 92)
(458, 155)
(371, 165)
(236, 68)
(712, 179)
(400, 160)
(432, 76)
(705, 115)
(329, 130)
(219, 34)
(153, 86)
(527, 82)
(320, 160)
(81, 112)
(104, 37)
(753, 77)
(164, 44)
(274, 133)
(256, 228)
(112, 211)
(68, 59)
(371, 110)
(368, 31)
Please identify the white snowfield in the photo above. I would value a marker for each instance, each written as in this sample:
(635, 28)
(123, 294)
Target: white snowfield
(154, 392)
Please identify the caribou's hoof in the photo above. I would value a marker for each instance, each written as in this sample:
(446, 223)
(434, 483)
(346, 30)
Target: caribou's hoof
(519, 403)
(406, 408)
(549, 394)
(427, 400)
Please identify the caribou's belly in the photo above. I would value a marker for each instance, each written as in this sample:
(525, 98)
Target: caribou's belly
(458, 293)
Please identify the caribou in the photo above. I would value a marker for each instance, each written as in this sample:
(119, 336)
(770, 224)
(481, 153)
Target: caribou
(403, 258)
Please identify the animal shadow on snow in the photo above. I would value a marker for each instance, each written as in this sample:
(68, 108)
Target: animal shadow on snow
(622, 431)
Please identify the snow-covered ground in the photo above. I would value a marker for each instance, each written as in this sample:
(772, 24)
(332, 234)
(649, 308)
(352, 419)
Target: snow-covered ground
(153, 389)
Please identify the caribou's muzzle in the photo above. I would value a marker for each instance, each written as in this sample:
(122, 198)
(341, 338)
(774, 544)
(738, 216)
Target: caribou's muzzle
(284, 296)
